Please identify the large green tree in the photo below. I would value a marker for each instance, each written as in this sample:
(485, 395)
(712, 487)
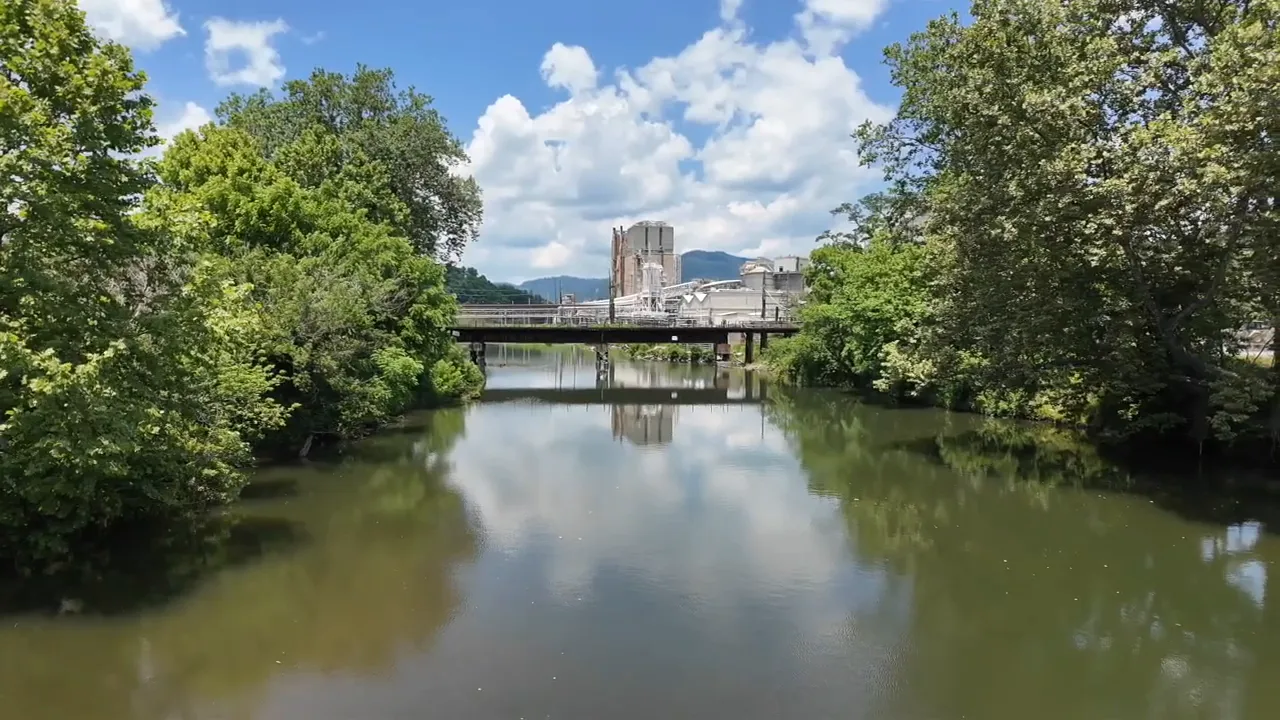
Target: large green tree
(1098, 179)
(354, 318)
(868, 295)
(365, 116)
(124, 387)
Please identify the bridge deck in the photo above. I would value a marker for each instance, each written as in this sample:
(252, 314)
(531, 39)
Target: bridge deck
(626, 396)
(589, 335)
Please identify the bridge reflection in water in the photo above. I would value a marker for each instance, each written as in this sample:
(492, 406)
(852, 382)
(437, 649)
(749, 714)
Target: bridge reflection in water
(644, 398)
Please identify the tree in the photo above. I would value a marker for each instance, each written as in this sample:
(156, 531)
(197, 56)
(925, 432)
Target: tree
(862, 302)
(354, 320)
(70, 112)
(124, 389)
(364, 118)
(469, 286)
(1101, 233)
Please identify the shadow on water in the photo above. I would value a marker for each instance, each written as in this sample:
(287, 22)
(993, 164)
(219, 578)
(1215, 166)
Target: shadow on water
(148, 565)
(1037, 456)
(1060, 458)
(1078, 587)
(276, 489)
(334, 566)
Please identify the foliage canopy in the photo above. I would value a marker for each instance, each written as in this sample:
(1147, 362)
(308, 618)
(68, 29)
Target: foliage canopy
(1094, 182)
(153, 336)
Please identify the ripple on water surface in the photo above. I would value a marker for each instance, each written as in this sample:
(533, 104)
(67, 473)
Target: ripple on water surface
(670, 541)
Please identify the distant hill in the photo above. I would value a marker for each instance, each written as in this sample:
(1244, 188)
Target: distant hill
(471, 287)
(582, 288)
(695, 265)
(710, 265)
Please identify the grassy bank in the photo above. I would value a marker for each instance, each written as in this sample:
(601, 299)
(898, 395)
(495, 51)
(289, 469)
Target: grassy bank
(690, 354)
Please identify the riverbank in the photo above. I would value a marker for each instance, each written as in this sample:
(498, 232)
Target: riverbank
(690, 354)
(1250, 463)
(400, 563)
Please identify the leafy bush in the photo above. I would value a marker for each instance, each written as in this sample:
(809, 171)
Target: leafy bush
(455, 377)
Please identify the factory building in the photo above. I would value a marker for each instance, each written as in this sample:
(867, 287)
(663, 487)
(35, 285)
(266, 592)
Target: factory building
(731, 305)
(644, 251)
(784, 275)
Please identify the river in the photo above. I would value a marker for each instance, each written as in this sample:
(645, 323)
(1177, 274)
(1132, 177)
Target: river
(676, 542)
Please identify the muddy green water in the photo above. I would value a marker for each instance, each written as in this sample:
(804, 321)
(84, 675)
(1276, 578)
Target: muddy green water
(672, 542)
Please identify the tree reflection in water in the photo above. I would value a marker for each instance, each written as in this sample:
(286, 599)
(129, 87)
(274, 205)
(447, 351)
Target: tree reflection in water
(1045, 581)
(326, 567)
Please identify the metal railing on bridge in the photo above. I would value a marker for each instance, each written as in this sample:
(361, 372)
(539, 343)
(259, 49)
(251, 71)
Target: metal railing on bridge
(591, 316)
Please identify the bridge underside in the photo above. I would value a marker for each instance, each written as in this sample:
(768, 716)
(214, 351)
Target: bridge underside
(569, 334)
(628, 396)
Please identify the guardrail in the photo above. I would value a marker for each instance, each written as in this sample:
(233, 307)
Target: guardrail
(525, 315)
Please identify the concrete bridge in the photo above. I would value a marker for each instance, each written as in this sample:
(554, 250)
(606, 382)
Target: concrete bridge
(748, 395)
(601, 335)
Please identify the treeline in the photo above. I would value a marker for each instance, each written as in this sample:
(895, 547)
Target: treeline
(269, 283)
(469, 286)
(1080, 217)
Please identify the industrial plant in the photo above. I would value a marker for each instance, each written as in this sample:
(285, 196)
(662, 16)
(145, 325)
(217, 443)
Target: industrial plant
(645, 282)
(646, 288)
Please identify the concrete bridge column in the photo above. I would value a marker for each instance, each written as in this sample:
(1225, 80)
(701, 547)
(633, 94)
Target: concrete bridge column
(477, 354)
(751, 347)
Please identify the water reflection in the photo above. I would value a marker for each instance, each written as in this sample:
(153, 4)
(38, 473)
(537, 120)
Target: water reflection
(342, 574)
(1093, 602)
(673, 541)
(644, 424)
(684, 572)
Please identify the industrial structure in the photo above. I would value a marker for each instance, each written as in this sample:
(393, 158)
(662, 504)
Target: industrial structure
(643, 257)
(784, 275)
(645, 284)
(648, 303)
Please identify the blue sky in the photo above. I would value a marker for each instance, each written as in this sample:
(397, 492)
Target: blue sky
(727, 118)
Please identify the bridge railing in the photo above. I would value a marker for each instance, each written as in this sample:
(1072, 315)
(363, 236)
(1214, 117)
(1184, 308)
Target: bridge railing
(574, 316)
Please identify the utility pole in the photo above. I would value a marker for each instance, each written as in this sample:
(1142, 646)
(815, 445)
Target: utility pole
(613, 268)
(764, 278)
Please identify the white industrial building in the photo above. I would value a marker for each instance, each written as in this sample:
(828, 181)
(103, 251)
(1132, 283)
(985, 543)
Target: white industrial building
(729, 303)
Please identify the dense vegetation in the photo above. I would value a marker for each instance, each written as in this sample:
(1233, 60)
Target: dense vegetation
(269, 283)
(1081, 214)
(693, 354)
(469, 286)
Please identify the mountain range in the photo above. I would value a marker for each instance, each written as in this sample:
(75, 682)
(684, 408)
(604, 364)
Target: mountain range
(694, 265)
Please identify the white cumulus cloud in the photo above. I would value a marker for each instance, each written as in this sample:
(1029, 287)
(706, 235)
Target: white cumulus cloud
(191, 117)
(140, 24)
(169, 125)
(825, 24)
(569, 67)
(729, 9)
(241, 53)
(742, 145)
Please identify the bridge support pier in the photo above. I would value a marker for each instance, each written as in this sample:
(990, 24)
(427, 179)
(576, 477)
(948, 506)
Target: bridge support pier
(751, 347)
(602, 358)
(477, 354)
